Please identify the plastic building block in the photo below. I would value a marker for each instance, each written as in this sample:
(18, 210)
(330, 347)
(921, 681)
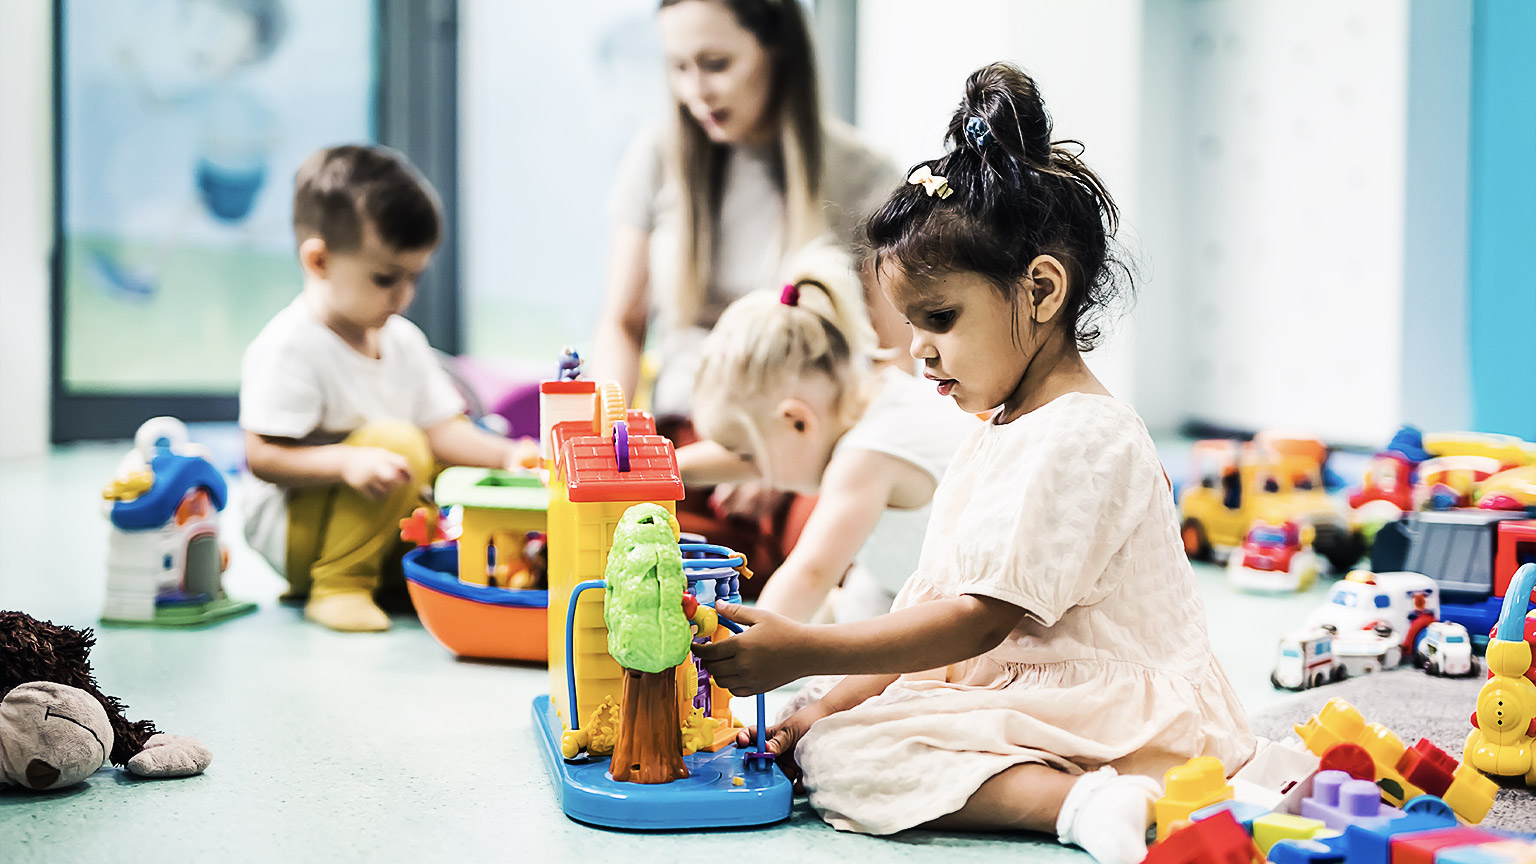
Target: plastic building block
(1217, 840)
(1338, 801)
(1327, 850)
(1339, 722)
(1351, 759)
(1470, 794)
(1243, 811)
(1420, 848)
(1371, 844)
(1198, 783)
(1269, 830)
(1507, 852)
(1427, 767)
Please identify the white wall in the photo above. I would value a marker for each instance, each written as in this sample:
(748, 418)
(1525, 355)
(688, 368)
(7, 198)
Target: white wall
(914, 57)
(26, 230)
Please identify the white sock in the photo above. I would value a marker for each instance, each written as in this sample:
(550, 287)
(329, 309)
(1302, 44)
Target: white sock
(1107, 815)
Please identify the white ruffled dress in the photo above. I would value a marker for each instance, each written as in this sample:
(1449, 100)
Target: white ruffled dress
(1067, 514)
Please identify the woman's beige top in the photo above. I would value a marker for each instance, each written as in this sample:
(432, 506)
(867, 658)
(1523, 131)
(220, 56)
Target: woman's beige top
(748, 253)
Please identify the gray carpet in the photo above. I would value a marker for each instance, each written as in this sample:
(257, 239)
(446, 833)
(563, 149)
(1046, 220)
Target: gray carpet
(1413, 705)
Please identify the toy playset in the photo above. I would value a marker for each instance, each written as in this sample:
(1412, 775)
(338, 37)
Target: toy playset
(635, 732)
(582, 564)
(165, 563)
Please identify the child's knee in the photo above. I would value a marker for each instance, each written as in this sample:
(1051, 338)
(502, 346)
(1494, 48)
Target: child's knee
(398, 436)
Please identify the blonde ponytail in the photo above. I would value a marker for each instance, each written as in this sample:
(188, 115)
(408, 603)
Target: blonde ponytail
(767, 340)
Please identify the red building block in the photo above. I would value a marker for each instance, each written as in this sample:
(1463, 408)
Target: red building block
(1217, 840)
(1427, 767)
(1352, 759)
(1420, 848)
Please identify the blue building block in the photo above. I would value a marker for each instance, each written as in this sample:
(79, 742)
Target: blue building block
(1372, 844)
(1244, 812)
(1328, 850)
(1477, 616)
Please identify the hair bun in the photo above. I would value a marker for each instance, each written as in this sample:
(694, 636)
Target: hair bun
(1008, 103)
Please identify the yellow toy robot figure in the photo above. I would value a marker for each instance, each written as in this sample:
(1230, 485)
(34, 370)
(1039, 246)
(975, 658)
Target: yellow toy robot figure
(1505, 720)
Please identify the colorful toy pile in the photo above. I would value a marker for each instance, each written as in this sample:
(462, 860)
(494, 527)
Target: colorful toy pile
(1362, 796)
(1355, 795)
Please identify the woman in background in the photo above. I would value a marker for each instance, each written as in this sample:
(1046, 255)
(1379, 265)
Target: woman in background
(707, 208)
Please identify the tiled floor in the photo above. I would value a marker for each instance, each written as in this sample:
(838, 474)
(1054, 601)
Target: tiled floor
(380, 746)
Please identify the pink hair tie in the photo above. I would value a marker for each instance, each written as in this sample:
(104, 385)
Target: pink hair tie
(790, 296)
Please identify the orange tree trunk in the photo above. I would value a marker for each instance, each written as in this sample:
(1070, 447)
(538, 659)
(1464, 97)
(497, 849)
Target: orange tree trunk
(649, 748)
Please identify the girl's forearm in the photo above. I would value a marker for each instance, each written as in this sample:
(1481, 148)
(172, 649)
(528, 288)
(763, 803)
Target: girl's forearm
(925, 636)
(854, 690)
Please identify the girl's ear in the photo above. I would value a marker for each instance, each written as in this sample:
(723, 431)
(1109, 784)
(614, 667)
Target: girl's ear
(798, 415)
(1047, 288)
(315, 258)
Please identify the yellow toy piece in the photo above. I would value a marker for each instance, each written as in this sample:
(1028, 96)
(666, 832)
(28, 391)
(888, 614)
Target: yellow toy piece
(1340, 723)
(698, 731)
(1517, 484)
(610, 408)
(1271, 828)
(129, 486)
(737, 781)
(603, 727)
(1506, 707)
(1507, 449)
(1198, 783)
(707, 619)
(1470, 794)
(572, 743)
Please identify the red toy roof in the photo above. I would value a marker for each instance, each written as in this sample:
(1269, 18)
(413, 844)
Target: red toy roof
(591, 469)
(579, 386)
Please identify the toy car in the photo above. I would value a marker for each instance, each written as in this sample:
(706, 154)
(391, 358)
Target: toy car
(1274, 558)
(1305, 660)
(1362, 652)
(1397, 606)
(1446, 649)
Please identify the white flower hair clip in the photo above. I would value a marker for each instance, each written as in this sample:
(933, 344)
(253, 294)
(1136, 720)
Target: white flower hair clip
(932, 183)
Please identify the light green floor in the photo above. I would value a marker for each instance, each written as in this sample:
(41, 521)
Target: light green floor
(380, 746)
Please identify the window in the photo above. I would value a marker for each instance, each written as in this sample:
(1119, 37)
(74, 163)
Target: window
(1383, 601)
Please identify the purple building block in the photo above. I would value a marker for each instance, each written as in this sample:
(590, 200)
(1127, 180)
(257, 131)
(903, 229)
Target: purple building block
(1339, 801)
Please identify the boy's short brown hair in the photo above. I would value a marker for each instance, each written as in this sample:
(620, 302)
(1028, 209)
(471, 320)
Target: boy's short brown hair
(337, 187)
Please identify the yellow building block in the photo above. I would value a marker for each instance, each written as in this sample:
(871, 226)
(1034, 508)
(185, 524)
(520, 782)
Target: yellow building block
(1470, 794)
(1340, 723)
(1198, 783)
(1274, 827)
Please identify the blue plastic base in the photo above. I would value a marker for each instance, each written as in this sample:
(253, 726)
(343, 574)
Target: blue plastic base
(707, 798)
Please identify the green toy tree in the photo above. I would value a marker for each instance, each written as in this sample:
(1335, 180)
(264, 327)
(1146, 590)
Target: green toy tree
(648, 635)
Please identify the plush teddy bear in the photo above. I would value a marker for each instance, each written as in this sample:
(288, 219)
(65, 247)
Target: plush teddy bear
(57, 728)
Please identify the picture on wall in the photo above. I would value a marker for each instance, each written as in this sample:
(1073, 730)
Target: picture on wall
(182, 123)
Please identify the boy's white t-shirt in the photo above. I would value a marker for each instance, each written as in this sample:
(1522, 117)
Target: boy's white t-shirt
(907, 419)
(300, 380)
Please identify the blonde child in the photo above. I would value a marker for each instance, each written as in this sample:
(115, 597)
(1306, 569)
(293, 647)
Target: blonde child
(344, 405)
(786, 394)
(1049, 657)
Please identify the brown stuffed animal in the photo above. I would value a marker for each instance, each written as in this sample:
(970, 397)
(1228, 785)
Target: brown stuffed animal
(57, 728)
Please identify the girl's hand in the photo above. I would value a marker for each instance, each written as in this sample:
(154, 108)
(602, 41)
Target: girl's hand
(773, 652)
(785, 737)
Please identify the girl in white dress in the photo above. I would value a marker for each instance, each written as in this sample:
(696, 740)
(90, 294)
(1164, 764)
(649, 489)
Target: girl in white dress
(787, 396)
(1048, 658)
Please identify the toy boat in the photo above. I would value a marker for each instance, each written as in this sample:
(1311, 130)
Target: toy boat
(475, 620)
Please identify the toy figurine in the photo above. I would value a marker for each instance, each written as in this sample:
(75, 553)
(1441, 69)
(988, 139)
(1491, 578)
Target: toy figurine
(570, 364)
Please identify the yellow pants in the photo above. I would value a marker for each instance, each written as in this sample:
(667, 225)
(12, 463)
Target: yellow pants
(339, 539)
